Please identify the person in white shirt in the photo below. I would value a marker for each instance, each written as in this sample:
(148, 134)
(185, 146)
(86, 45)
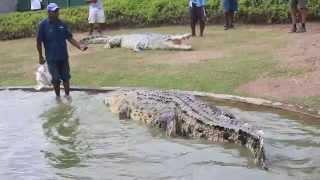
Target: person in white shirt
(35, 5)
(96, 15)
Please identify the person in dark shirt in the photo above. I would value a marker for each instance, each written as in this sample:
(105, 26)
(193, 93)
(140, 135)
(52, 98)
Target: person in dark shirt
(53, 33)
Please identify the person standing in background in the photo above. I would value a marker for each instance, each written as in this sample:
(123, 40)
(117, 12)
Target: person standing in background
(96, 15)
(197, 13)
(36, 5)
(298, 8)
(229, 8)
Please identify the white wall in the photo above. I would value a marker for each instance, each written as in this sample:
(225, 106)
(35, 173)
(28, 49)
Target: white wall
(8, 6)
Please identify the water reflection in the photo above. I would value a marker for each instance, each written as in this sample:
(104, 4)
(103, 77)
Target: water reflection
(82, 140)
(61, 128)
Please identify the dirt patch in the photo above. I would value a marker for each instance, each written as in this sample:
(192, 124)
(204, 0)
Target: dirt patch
(302, 52)
(284, 88)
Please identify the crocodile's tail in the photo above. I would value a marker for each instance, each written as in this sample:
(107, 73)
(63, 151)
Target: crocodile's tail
(254, 142)
(246, 136)
(229, 129)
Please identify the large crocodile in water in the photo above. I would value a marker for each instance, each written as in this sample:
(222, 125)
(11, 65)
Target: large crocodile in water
(141, 41)
(181, 114)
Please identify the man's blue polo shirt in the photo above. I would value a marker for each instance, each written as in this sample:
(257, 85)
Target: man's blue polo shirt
(199, 3)
(54, 36)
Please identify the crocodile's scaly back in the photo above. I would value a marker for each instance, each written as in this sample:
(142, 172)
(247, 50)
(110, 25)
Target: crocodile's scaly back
(184, 115)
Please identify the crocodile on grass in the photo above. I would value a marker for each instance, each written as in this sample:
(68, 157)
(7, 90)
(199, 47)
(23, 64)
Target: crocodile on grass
(180, 114)
(141, 41)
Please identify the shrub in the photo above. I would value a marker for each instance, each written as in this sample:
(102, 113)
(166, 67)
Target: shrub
(151, 12)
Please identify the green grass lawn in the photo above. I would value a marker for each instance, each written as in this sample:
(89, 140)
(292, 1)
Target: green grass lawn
(243, 55)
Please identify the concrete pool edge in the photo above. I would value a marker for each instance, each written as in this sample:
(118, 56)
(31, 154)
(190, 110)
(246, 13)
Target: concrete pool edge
(315, 113)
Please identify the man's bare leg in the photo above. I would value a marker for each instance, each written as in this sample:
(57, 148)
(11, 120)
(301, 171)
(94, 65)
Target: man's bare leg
(303, 13)
(226, 20)
(56, 87)
(193, 27)
(100, 28)
(202, 26)
(66, 85)
(293, 20)
(91, 29)
(231, 16)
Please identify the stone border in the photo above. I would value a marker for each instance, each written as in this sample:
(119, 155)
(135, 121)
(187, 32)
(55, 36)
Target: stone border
(74, 88)
(315, 113)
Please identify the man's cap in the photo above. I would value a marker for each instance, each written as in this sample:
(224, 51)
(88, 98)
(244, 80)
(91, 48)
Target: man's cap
(52, 7)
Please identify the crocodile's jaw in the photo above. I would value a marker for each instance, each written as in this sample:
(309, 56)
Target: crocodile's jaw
(177, 42)
(174, 45)
(180, 37)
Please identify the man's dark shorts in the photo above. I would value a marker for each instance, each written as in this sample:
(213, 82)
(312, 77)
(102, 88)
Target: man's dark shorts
(298, 4)
(197, 13)
(59, 70)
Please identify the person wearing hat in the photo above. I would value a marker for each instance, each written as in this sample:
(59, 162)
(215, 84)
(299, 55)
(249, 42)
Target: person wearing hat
(53, 33)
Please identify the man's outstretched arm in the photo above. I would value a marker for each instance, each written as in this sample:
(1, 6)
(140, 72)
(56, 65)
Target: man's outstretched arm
(78, 45)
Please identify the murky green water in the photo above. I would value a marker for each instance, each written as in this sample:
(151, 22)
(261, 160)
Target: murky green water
(41, 138)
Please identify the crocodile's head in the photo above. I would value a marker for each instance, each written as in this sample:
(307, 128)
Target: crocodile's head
(178, 42)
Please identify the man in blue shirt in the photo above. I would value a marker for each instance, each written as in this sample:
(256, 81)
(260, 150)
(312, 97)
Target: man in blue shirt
(53, 33)
(197, 13)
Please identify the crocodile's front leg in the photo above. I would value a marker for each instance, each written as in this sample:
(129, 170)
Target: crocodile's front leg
(107, 45)
(140, 46)
(137, 49)
(113, 42)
